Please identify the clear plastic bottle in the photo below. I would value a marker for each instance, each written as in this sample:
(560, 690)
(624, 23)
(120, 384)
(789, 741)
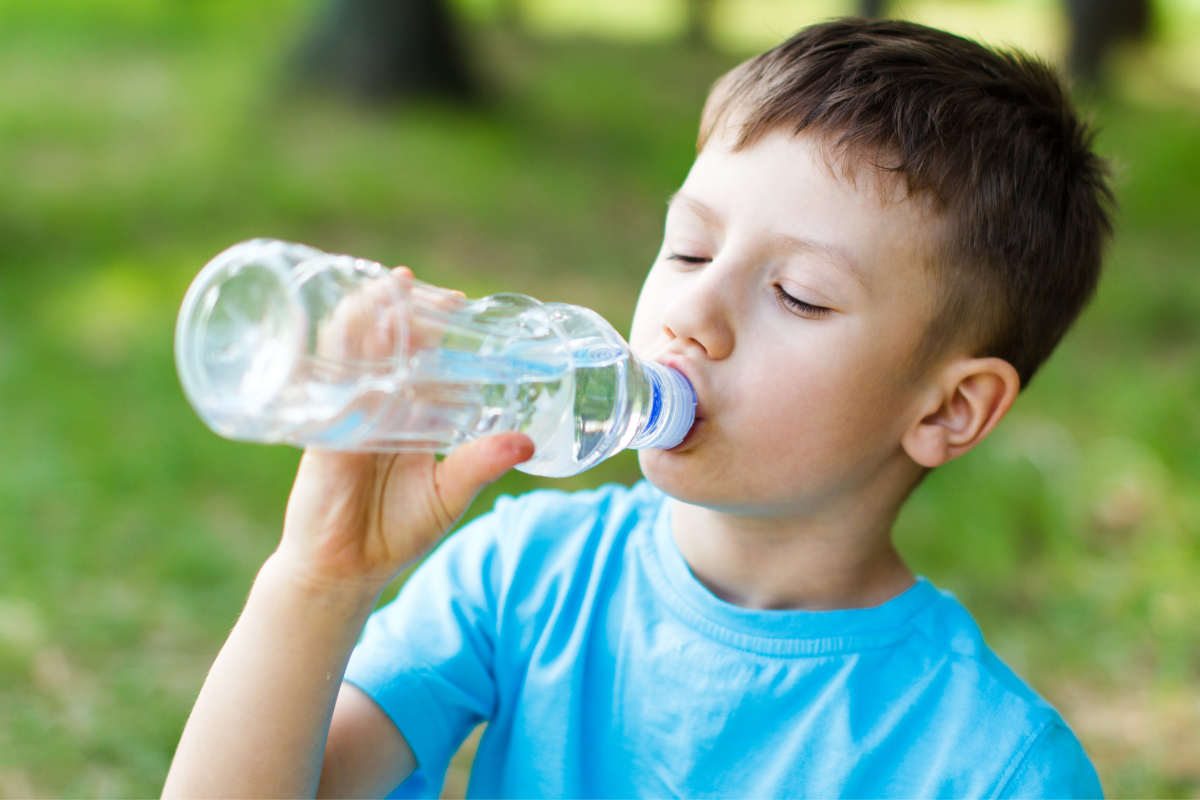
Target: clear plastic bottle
(279, 342)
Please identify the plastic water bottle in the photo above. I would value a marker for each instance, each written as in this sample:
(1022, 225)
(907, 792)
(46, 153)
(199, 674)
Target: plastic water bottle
(279, 342)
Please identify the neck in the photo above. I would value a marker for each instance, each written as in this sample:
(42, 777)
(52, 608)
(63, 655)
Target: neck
(838, 557)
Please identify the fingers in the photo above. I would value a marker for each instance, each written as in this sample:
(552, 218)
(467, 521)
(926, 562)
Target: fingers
(363, 331)
(475, 464)
(432, 291)
(434, 312)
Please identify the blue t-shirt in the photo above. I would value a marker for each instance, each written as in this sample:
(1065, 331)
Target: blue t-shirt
(571, 624)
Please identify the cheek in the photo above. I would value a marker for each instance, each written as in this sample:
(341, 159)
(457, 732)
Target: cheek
(820, 404)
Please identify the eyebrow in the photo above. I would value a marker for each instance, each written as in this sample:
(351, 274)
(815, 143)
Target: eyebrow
(833, 253)
(836, 254)
(697, 208)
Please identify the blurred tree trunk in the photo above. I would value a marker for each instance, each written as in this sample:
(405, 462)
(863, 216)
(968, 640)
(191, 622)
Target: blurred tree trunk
(380, 50)
(872, 9)
(508, 12)
(699, 20)
(1096, 25)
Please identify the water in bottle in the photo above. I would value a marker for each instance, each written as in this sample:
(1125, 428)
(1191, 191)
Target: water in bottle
(279, 342)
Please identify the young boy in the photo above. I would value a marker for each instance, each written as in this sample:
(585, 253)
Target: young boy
(886, 230)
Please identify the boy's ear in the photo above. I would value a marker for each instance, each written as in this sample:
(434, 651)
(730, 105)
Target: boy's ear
(968, 399)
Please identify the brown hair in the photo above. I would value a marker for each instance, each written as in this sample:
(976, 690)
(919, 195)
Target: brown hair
(992, 136)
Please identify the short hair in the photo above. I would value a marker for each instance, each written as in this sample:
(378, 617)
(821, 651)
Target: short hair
(992, 136)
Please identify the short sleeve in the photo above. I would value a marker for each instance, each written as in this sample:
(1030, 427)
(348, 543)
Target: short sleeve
(426, 658)
(1054, 766)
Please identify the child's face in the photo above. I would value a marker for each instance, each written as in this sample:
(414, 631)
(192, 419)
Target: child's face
(800, 406)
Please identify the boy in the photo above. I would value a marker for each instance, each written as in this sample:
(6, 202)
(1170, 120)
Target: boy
(886, 230)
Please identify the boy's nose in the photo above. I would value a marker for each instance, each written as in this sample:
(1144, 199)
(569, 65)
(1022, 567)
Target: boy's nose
(700, 316)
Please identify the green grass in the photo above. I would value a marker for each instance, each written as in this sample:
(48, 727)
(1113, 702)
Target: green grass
(140, 138)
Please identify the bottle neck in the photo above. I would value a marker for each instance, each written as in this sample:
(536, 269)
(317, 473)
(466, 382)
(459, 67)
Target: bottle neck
(672, 408)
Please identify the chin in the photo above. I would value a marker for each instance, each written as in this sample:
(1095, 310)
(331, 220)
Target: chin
(726, 487)
(669, 473)
(687, 479)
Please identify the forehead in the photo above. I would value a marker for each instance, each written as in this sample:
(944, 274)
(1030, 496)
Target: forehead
(781, 166)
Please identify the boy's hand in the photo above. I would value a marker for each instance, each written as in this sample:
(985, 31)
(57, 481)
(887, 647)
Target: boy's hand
(360, 518)
(262, 721)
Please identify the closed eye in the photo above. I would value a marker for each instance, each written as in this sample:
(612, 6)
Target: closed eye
(800, 307)
(688, 259)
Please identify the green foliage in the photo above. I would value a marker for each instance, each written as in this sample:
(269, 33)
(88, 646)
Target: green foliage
(139, 138)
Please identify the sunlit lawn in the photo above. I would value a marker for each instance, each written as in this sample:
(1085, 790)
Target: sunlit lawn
(134, 146)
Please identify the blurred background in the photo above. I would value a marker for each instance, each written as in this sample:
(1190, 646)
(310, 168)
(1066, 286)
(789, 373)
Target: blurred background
(528, 146)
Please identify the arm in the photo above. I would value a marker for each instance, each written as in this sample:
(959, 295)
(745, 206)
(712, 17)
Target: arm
(366, 755)
(263, 717)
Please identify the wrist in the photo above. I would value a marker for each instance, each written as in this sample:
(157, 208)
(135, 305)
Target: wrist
(286, 572)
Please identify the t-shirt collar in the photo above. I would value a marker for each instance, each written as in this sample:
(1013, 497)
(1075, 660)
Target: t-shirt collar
(779, 632)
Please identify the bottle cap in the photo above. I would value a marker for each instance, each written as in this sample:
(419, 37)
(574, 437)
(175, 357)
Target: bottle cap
(673, 410)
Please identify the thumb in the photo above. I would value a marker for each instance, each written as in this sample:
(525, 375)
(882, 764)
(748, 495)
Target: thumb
(477, 463)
